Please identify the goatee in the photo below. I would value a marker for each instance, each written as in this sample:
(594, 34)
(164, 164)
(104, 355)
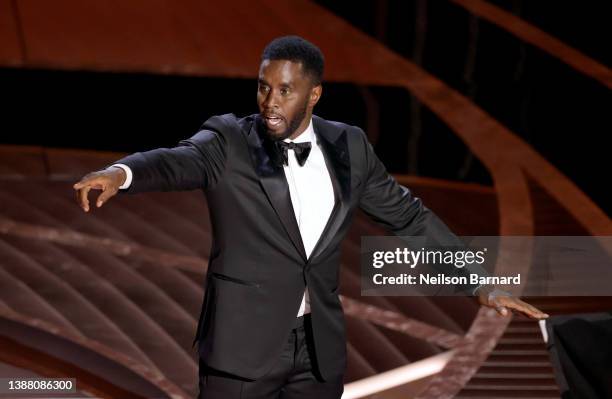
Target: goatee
(294, 124)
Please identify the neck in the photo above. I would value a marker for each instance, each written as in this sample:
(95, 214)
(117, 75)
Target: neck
(303, 126)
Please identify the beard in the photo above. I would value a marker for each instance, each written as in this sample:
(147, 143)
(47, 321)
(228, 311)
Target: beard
(292, 126)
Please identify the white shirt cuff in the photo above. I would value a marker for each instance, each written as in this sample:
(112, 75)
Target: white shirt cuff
(128, 175)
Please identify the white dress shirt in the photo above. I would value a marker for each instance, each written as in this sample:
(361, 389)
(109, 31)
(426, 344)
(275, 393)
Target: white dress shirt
(311, 191)
(312, 196)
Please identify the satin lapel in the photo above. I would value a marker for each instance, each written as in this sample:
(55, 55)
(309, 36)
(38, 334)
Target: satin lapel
(275, 186)
(335, 150)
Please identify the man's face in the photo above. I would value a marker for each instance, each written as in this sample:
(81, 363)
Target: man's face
(285, 96)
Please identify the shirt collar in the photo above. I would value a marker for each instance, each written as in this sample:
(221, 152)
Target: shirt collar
(307, 135)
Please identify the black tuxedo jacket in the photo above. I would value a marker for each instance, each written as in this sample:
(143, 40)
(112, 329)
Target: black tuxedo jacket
(258, 268)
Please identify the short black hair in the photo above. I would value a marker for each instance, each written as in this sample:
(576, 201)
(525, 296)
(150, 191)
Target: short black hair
(297, 49)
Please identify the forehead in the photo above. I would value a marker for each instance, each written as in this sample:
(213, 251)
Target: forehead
(281, 71)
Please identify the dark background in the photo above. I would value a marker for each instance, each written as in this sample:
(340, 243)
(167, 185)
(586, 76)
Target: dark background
(560, 112)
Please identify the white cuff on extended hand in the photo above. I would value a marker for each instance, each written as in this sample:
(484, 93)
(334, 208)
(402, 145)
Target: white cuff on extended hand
(128, 175)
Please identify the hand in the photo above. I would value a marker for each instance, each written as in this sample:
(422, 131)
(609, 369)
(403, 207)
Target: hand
(503, 301)
(108, 180)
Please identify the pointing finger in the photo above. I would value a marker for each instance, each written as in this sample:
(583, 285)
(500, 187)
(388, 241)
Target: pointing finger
(84, 182)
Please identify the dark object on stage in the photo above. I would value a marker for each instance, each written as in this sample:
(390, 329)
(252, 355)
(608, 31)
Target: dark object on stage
(581, 351)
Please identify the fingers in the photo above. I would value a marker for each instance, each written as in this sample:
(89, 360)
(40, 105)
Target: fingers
(106, 194)
(534, 312)
(502, 310)
(505, 303)
(83, 187)
(82, 198)
(79, 185)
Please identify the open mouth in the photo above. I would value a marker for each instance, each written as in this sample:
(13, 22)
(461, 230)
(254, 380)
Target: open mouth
(273, 121)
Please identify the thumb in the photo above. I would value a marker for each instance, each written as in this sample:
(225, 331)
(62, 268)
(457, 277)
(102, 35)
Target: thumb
(502, 310)
(106, 194)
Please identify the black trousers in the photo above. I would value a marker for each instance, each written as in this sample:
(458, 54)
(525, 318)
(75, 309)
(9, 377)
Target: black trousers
(294, 376)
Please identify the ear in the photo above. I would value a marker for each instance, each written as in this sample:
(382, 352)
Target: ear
(315, 94)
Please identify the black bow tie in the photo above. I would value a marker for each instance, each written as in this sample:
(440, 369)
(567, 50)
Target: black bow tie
(301, 151)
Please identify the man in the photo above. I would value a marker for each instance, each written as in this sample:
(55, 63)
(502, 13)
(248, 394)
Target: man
(281, 187)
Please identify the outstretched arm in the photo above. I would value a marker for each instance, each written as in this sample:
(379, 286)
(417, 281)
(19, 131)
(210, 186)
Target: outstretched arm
(393, 206)
(197, 162)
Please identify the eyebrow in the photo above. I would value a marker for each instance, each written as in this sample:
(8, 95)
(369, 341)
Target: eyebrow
(263, 81)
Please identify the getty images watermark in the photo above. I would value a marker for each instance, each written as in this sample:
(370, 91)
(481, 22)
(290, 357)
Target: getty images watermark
(527, 266)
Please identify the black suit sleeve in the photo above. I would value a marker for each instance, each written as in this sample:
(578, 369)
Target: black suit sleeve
(195, 163)
(394, 207)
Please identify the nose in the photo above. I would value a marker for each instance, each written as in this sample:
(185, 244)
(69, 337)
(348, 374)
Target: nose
(270, 100)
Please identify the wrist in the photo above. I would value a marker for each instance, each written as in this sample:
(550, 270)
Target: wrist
(483, 290)
(118, 175)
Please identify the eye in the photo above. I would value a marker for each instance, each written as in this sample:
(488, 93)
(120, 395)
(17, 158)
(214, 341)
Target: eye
(264, 88)
(284, 91)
